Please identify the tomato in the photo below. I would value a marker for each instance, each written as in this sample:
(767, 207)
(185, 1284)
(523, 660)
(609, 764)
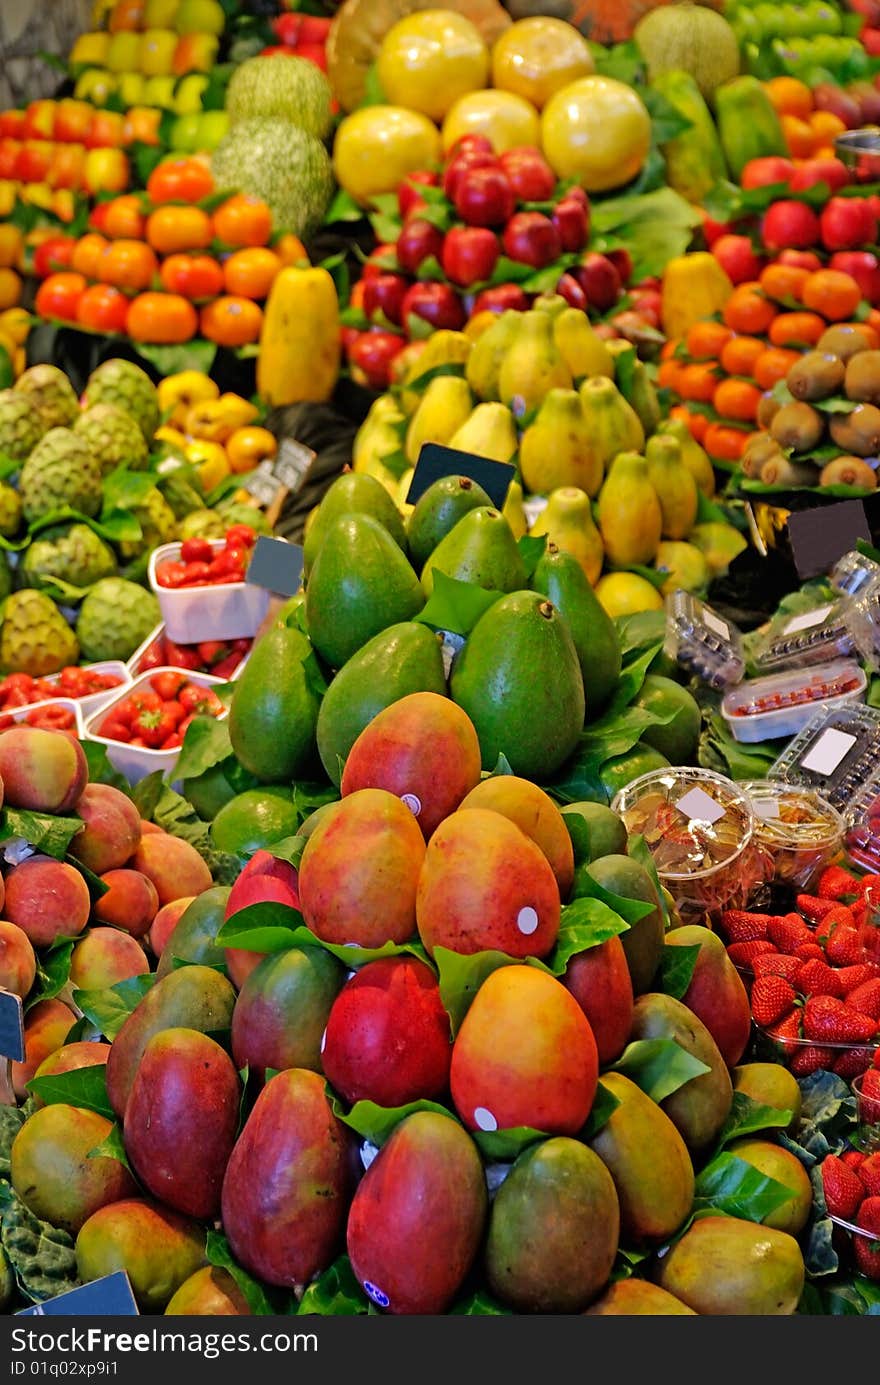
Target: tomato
(103, 308)
(171, 229)
(87, 252)
(243, 220)
(231, 321)
(59, 295)
(196, 277)
(127, 264)
(162, 318)
(250, 273)
(123, 218)
(53, 255)
(180, 180)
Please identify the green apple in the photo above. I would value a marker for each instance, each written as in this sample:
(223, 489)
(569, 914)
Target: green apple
(188, 94)
(157, 52)
(124, 52)
(159, 14)
(214, 127)
(200, 17)
(185, 133)
(130, 88)
(159, 91)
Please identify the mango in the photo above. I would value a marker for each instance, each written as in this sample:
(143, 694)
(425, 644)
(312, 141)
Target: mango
(112, 830)
(649, 1162)
(726, 1267)
(553, 1229)
(287, 1184)
(131, 902)
(638, 1298)
(51, 1170)
(524, 1055)
(600, 982)
(769, 1084)
(45, 771)
(360, 870)
(282, 1010)
(699, 1108)
(181, 1120)
(68, 1058)
(605, 831)
(485, 884)
(424, 749)
(47, 899)
(716, 994)
(387, 1038)
(191, 998)
(274, 712)
(104, 957)
(417, 1217)
(210, 1292)
(785, 1168)
(643, 941)
(195, 933)
(535, 814)
(157, 1248)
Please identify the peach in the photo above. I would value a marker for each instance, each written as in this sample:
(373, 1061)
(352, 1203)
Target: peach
(49, 899)
(131, 902)
(166, 921)
(148, 828)
(46, 1026)
(112, 829)
(104, 957)
(45, 771)
(18, 965)
(174, 867)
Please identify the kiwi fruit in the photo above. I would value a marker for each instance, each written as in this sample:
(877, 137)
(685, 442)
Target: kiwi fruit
(758, 450)
(818, 375)
(780, 471)
(849, 471)
(799, 427)
(768, 408)
(857, 433)
(845, 340)
(863, 377)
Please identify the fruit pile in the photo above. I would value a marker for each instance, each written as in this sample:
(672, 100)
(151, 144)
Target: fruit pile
(206, 564)
(851, 1188)
(812, 42)
(220, 657)
(52, 148)
(147, 51)
(156, 717)
(812, 117)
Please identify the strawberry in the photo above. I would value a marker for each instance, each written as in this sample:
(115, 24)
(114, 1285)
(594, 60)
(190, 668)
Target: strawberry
(866, 998)
(869, 1103)
(852, 1062)
(869, 1212)
(817, 978)
(810, 1059)
(813, 908)
(866, 1249)
(788, 932)
(868, 882)
(776, 964)
(844, 948)
(808, 950)
(850, 977)
(787, 1032)
(828, 1019)
(838, 916)
(869, 1173)
(844, 1191)
(772, 999)
(743, 954)
(742, 927)
(859, 910)
(853, 1158)
(835, 882)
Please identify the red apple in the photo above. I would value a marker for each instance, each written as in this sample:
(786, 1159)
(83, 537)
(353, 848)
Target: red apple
(484, 197)
(407, 193)
(847, 223)
(622, 261)
(867, 98)
(813, 171)
(600, 281)
(418, 241)
(531, 238)
(791, 224)
(569, 289)
(107, 130)
(648, 304)
(435, 303)
(713, 230)
(385, 293)
(470, 254)
(10, 150)
(762, 173)
(800, 259)
(468, 158)
(737, 258)
(531, 177)
(572, 221)
(864, 267)
(829, 97)
(472, 144)
(499, 299)
(370, 357)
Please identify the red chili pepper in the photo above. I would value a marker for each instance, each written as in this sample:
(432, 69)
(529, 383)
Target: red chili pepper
(196, 551)
(167, 685)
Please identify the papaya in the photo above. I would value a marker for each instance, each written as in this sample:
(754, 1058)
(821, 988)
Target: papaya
(567, 520)
(299, 339)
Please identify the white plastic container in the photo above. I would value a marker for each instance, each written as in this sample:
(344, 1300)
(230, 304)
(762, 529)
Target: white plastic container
(72, 704)
(222, 611)
(134, 665)
(137, 761)
(799, 695)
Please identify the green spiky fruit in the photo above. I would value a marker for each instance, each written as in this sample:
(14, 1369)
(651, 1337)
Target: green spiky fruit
(128, 387)
(51, 391)
(113, 437)
(35, 638)
(181, 493)
(21, 425)
(71, 553)
(60, 471)
(201, 524)
(115, 618)
(10, 510)
(157, 522)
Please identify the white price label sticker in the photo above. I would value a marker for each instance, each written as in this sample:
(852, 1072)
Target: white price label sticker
(292, 463)
(808, 619)
(716, 623)
(829, 750)
(263, 484)
(698, 804)
(766, 808)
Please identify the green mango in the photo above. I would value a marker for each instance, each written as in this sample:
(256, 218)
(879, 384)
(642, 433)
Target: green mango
(274, 710)
(195, 934)
(643, 941)
(438, 510)
(480, 549)
(354, 492)
(607, 833)
(699, 1109)
(560, 577)
(723, 1266)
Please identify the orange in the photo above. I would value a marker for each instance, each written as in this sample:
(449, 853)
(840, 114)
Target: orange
(231, 321)
(246, 447)
(784, 283)
(59, 295)
(740, 353)
(800, 136)
(697, 423)
(86, 254)
(789, 96)
(668, 373)
(250, 273)
(124, 218)
(826, 126)
(180, 180)
(162, 318)
(833, 294)
(705, 340)
(797, 329)
(736, 399)
(127, 264)
(748, 310)
(197, 277)
(723, 443)
(697, 382)
(773, 365)
(290, 250)
(243, 220)
(172, 229)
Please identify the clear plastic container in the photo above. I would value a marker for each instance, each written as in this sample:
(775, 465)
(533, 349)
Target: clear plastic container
(863, 827)
(853, 572)
(836, 754)
(812, 637)
(798, 831)
(864, 622)
(698, 826)
(868, 1111)
(220, 611)
(768, 1045)
(152, 653)
(137, 761)
(782, 703)
(702, 641)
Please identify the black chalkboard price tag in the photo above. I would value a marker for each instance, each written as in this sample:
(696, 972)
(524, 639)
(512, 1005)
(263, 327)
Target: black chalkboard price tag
(821, 535)
(436, 462)
(109, 1297)
(276, 565)
(11, 1027)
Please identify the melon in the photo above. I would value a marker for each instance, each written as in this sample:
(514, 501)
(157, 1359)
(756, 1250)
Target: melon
(692, 39)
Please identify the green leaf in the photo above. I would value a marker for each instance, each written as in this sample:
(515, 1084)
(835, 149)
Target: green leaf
(659, 1066)
(271, 927)
(437, 372)
(335, 1293)
(343, 208)
(462, 976)
(42, 1256)
(205, 744)
(83, 1087)
(503, 1145)
(100, 769)
(629, 684)
(747, 1117)
(677, 969)
(657, 226)
(584, 923)
(218, 1254)
(289, 849)
(373, 93)
(736, 1188)
(146, 794)
(12, 1118)
(640, 852)
(48, 834)
(108, 1009)
(667, 120)
(376, 1123)
(125, 490)
(631, 910)
(197, 354)
(112, 1146)
(502, 767)
(53, 971)
(605, 1103)
(479, 1305)
(622, 61)
(531, 550)
(455, 606)
(309, 796)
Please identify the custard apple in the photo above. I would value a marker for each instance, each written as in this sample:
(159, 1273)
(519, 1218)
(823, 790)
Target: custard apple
(10, 511)
(72, 553)
(21, 425)
(35, 638)
(239, 512)
(115, 618)
(60, 471)
(51, 391)
(181, 493)
(124, 384)
(201, 524)
(114, 438)
(157, 522)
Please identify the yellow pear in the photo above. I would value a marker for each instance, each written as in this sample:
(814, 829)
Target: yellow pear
(675, 486)
(558, 449)
(567, 520)
(630, 518)
(488, 432)
(484, 363)
(695, 458)
(441, 348)
(532, 365)
(445, 405)
(613, 424)
(584, 353)
(513, 510)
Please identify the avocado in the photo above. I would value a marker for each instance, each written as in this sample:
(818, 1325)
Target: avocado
(560, 577)
(274, 712)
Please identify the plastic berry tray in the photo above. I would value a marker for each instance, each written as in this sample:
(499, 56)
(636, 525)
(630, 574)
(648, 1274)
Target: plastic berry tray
(782, 703)
(71, 704)
(810, 637)
(141, 659)
(219, 611)
(137, 761)
(853, 572)
(702, 641)
(836, 753)
(797, 830)
(783, 1050)
(862, 839)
